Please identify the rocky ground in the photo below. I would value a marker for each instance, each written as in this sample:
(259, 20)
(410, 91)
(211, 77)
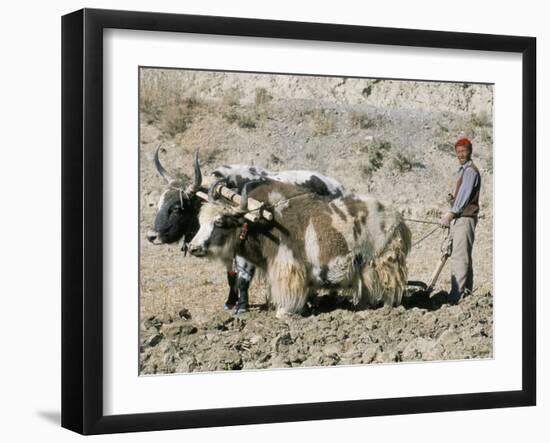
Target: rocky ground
(392, 139)
(333, 335)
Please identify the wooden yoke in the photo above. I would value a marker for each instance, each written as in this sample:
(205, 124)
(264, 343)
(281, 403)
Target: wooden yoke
(255, 210)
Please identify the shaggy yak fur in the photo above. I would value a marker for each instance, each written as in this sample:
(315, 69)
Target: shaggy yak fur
(351, 243)
(178, 209)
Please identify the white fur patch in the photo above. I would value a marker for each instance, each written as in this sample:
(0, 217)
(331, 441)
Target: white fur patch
(209, 212)
(161, 200)
(232, 171)
(344, 227)
(204, 233)
(287, 280)
(208, 215)
(284, 255)
(278, 200)
(298, 177)
(275, 197)
(340, 270)
(379, 223)
(312, 245)
(365, 198)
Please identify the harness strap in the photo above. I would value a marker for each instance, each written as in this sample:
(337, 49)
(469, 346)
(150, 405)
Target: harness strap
(244, 232)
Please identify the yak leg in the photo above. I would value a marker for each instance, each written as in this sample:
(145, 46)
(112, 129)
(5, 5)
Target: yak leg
(383, 282)
(289, 290)
(245, 271)
(233, 291)
(369, 291)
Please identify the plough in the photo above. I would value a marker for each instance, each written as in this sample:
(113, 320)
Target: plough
(446, 250)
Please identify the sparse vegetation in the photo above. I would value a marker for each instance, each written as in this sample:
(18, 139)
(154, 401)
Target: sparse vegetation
(375, 152)
(359, 147)
(232, 97)
(442, 128)
(481, 119)
(366, 121)
(242, 121)
(262, 97)
(486, 135)
(191, 102)
(366, 172)
(367, 90)
(246, 122)
(275, 160)
(212, 155)
(446, 147)
(489, 161)
(159, 89)
(146, 104)
(402, 162)
(176, 119)
(231, 117)
(323, 124)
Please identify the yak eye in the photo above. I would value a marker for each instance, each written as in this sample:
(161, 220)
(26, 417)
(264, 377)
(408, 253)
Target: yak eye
(219, 223)
(175, 209)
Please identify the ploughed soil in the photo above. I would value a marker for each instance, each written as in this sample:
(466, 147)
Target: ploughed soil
(391, 139)
(329, 334)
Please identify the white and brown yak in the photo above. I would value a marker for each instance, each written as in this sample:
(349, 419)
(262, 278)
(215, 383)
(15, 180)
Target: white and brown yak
(351, 243)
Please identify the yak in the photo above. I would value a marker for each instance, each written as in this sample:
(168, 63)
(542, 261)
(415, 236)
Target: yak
(351, 243)
(177, 215)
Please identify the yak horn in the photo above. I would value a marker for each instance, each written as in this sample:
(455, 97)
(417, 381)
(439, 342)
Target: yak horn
(244, 198)
(198, 175)
(163, 173)
(211, 197)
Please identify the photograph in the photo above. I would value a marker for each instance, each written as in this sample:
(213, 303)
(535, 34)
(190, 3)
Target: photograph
(290, 221)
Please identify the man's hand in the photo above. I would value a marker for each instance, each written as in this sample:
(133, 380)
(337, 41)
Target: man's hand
(446, 220)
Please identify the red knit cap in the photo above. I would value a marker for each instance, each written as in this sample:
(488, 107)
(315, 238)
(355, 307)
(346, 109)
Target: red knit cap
(463, 142)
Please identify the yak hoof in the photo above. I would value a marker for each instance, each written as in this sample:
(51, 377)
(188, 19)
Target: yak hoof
(281, 313)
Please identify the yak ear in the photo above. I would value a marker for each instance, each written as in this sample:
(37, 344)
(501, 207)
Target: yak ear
(235, 221)
(241, 221)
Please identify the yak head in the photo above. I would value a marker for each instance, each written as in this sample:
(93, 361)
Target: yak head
(178, 207)
(221, 227)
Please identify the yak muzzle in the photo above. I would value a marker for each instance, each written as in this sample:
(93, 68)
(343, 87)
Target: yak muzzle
(153, 237)
(197, 251)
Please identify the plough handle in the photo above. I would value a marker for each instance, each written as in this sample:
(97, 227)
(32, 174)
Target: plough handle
(437, 271)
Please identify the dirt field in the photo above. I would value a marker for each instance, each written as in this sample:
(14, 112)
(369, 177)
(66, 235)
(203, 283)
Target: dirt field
(391, 139)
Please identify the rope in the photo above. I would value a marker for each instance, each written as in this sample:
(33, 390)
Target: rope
(282, 202)
(421, 221)
(427, 222)
(425, 237)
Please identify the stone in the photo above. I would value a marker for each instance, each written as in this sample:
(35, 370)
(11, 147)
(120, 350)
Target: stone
(154, 340)
(179, 327)
(187, 363)
(332, 350)
(448, 338)
(419, 349)
(185, 314)
(230, 360)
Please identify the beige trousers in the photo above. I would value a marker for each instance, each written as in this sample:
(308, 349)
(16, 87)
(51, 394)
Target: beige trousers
(462, 272)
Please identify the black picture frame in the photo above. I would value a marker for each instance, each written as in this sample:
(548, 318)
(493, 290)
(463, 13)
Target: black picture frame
(82, 215)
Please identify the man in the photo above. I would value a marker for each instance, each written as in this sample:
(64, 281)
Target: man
(463, 215)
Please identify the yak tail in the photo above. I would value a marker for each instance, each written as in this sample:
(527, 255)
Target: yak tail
(384, 279)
